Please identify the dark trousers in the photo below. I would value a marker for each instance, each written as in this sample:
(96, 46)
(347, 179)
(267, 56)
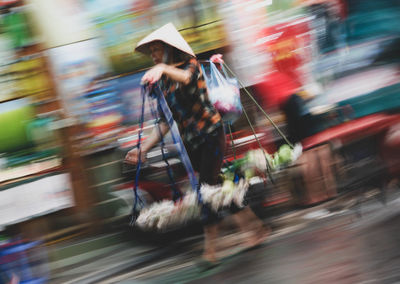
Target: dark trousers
(207, 160)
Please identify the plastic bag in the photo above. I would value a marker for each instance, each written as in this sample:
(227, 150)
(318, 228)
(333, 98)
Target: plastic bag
(223, 92)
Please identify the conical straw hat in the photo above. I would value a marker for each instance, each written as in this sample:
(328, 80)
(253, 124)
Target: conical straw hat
(167, 34)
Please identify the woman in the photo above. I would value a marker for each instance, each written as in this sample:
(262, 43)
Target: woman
(178, 74)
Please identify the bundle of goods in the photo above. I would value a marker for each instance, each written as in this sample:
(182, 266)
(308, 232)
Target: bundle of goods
(219, 196)
(167, 214)
(237, 176)
(285, 156)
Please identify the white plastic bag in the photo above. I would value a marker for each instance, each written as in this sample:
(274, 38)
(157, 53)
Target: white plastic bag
(223, 92)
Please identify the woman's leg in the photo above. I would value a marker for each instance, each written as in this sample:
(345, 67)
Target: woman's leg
(212, 155)
(210, 239)
(252, 228)
(247, 221)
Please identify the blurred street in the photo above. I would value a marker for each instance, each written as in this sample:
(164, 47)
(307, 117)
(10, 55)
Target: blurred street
(324, 244)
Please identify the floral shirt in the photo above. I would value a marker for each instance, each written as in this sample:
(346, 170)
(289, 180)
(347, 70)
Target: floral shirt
(191, 109)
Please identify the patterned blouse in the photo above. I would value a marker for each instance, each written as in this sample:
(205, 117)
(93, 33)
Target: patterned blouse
(191, 109)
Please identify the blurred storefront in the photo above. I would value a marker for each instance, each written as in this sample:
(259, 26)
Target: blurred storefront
(121, 24)
(87, 89)
(36, 177)
(68, 101)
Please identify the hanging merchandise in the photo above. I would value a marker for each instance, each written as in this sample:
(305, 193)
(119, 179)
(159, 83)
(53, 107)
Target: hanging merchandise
(15, 116)
(26, 76)
(223, 92)
(104, 108)
(166, 213)
(7, 56)
(285, 156)
(245, 171)
(31, 77)
(15, 24)
(75, 66)
(219, 197)
(120, 23)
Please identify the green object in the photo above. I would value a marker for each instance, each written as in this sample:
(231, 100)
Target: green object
(285, 154)
(40, 133)
(270, 160)
(14, 118)
(23, 157)
(249, 173)
(4, 239)
(16, 26)
(228, 175)
(372, 19)
(237, 164)
(276, 160)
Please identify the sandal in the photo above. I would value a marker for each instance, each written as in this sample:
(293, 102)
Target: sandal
(205, 264)
(265, 232)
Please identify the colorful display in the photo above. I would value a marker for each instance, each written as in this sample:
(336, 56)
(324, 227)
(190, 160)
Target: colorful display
(122, 24)
(14, 119)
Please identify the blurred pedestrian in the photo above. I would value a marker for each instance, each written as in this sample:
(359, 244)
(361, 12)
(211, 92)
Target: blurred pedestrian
(179, 76)
(279, 90)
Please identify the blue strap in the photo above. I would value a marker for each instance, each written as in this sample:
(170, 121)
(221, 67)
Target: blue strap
(138, 167)
(176, 137)
(176, 193)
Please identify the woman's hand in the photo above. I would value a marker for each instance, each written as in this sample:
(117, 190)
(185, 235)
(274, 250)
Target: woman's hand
(132, 157)
(154, 74)
(217, 58)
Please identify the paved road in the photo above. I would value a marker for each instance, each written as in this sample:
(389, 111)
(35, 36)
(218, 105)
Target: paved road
(337, 248)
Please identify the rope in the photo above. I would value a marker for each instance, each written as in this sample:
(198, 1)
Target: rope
(137, 198)
(259, 144)
(232, 143)
(176, 193)
(176, 137)
(259, 107)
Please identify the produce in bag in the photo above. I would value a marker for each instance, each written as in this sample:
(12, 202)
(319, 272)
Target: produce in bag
(223, 93)
(285, 154)
(256, 159)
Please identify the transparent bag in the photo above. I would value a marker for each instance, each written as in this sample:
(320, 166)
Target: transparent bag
(223, 92)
